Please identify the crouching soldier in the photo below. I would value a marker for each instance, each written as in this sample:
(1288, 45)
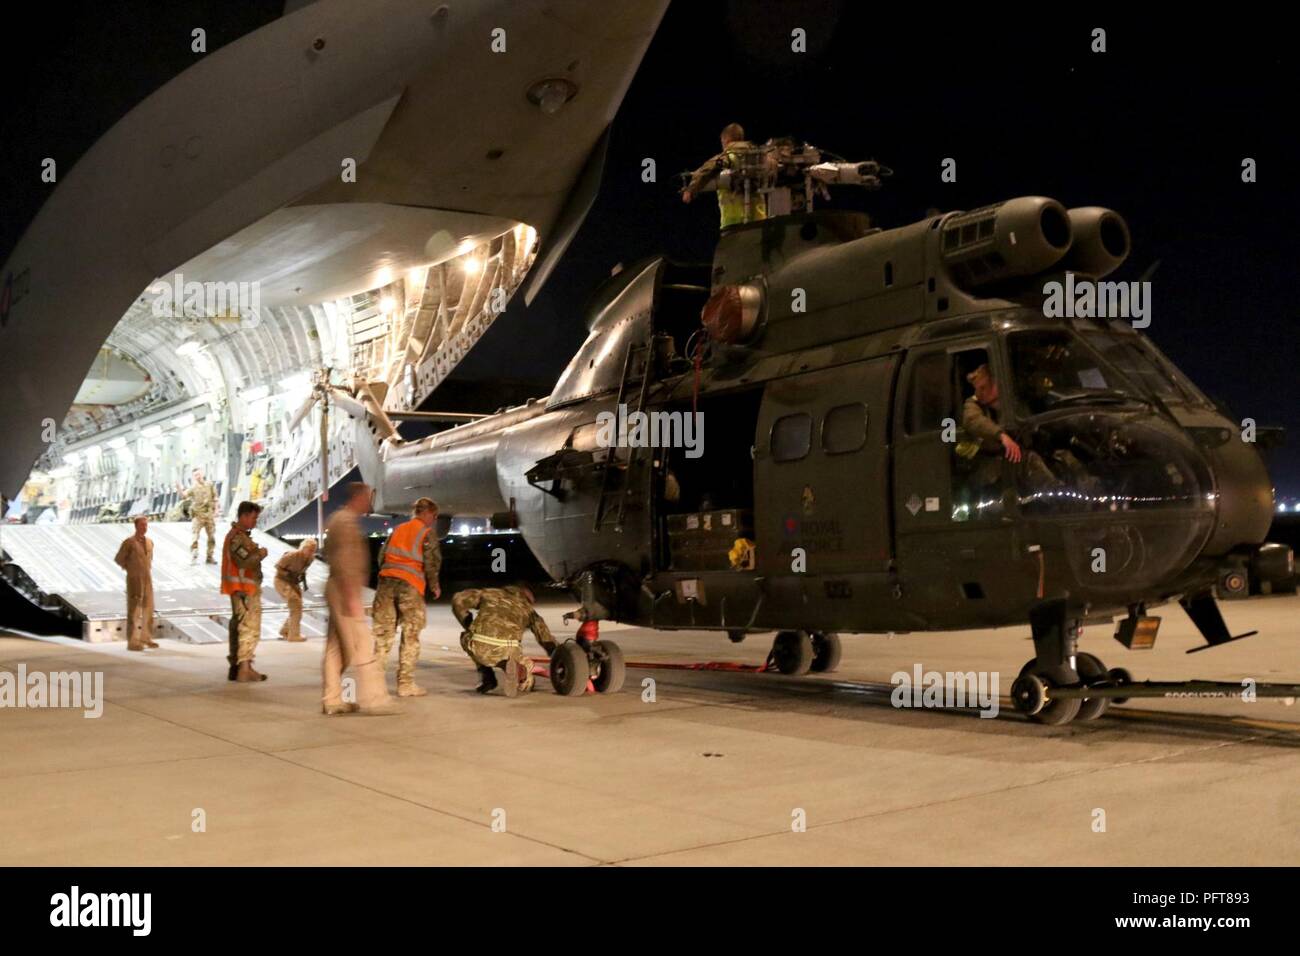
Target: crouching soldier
(290, 583)
(493, 636)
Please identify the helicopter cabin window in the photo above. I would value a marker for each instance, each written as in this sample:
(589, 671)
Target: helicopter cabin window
(792, 437)
(844, 429)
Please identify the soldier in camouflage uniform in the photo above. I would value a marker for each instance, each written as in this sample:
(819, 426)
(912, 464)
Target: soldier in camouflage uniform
(290, 582)
(241, 578)
(409, 563)
(494, 636)
(202, 496)
(980, 416)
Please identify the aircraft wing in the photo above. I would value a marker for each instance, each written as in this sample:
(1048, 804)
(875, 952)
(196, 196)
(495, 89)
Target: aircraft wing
(466, 123)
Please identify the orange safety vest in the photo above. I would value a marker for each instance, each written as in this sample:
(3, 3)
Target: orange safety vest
(404, 555)
(234, 579)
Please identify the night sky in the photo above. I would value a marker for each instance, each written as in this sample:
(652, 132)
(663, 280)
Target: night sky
(1155, 128)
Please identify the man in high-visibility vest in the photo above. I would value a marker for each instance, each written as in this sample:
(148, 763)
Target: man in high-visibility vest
(731, 204)
(241, 578)
(409, 563)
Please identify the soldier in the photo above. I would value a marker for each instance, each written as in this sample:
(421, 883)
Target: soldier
(409, 563)
(202, 496)
(135, 557)
(494, 636)
(730, 204)
(291, 582)
(980, 415)
(241, 578)
(349, 642)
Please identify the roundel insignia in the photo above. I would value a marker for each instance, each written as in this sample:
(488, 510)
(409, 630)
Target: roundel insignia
(790, 525)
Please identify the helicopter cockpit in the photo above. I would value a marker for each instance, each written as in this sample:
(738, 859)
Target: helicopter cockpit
(1085, 423)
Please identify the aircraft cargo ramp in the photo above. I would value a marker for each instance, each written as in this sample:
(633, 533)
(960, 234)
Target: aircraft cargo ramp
(69, 570)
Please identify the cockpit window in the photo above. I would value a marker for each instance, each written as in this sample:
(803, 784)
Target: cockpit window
(1054, 367)
(1127, 354)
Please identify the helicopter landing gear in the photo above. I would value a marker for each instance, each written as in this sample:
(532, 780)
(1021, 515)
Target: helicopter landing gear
(575, 662)
(1056, 638)
(792, 653)
(608, 671)
(826, 652)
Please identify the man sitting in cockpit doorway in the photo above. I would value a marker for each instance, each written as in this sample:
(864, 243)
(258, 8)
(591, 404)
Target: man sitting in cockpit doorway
(980, 415)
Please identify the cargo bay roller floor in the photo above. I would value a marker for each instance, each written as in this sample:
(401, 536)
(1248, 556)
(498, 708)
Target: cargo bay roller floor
(721, 768)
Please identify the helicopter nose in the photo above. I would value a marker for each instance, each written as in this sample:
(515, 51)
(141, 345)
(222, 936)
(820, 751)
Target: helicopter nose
(1242, 488)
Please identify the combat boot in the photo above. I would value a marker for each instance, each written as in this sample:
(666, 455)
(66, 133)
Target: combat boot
(509, 679)
(410, 689)
(331, 710)
(151, 644)
(387, 709)
(487, 679)
(211, 560)
(247, 675)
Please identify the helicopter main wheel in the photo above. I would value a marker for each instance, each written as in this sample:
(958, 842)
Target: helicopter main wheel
(735, 636)
(792, 653)
(608, 670)
(569, 669)
(826, 652)
(1093, 673)
(1032, 694)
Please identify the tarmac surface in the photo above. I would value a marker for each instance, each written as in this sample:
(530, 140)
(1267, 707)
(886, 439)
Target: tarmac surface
(714, 767)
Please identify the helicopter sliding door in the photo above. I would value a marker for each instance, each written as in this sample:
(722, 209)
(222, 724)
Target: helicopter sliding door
(954, 500)
(821, 474)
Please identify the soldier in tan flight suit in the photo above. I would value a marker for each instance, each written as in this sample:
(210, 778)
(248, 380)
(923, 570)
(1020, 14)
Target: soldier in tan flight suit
(290, 582)
(135, 557)
(202, 496)
(349, 642)
(494, 636)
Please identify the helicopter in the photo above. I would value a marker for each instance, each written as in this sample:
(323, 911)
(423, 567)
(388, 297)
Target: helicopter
(775, 441)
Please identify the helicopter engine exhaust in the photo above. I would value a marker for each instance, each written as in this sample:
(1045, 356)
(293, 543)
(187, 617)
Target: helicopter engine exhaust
(1016, 238)
(1101, 241)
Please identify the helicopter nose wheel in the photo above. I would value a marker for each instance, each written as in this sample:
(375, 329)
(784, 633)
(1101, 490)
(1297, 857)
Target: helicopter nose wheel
(1031, 694)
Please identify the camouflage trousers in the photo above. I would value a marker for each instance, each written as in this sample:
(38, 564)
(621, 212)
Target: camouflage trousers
(293, 598)
(199, 524)
(397, 604)
(491, 651)
(245, 626)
